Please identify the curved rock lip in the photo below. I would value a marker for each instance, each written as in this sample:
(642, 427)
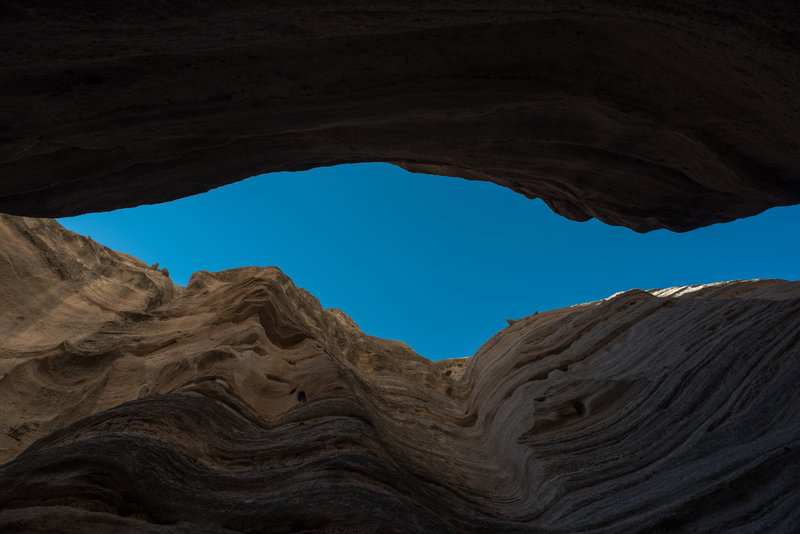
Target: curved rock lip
(644, 115)
(239, 404)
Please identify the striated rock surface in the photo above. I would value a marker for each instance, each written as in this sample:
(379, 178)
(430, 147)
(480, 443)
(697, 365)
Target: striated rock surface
(648, 114)
(238, 404)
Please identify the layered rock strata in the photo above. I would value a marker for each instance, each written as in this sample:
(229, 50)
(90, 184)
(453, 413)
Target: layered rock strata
(239, 404)
(647, 114)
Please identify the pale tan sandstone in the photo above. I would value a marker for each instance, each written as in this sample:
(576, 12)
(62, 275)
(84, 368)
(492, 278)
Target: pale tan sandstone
(238, 404)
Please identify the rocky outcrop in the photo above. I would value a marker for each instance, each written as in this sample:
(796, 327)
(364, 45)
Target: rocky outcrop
(648, 114)
(239, 404)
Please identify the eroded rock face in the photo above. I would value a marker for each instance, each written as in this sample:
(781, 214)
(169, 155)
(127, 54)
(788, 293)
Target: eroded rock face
(238, 404)
(648, 114)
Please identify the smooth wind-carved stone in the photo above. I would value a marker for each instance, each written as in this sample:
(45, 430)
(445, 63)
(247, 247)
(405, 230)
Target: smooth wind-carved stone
(239, 404)
(650, 114)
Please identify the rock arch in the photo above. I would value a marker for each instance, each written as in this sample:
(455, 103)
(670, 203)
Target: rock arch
(648, 115)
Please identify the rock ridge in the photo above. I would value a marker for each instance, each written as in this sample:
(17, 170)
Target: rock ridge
(239, 404)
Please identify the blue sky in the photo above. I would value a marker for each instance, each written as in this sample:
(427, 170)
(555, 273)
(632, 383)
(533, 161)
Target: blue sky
(439, 263)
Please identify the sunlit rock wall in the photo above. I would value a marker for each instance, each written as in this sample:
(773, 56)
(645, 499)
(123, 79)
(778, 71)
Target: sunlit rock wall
(238, 404)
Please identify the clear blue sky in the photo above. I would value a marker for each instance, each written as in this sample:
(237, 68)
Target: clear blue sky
(439, 263)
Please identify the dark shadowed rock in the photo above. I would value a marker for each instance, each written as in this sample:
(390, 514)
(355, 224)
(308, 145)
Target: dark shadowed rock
(649, 114)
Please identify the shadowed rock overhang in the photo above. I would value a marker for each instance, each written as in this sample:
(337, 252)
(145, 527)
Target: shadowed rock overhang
(643, 114)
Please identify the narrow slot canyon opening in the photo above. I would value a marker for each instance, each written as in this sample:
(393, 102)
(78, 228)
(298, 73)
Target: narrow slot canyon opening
(162, 377)
(438, 263)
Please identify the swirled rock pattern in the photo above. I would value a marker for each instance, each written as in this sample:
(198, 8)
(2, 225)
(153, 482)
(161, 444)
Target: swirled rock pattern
(648, 114)
(239, 404)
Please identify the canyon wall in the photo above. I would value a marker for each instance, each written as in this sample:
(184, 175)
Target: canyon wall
(239, 404)
(656, 114)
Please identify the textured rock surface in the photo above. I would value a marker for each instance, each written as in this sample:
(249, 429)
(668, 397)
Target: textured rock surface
(238, 404)
(647, 114)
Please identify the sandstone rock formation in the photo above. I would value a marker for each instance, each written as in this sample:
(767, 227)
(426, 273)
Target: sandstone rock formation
(238, 404)
(649, 114)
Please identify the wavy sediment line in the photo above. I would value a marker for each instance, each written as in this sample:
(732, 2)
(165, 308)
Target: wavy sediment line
(238, 404)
